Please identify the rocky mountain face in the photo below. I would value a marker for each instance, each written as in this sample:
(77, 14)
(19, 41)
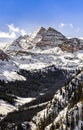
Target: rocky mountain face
(42, 38)
(46, 38)
(19, 43)
(72, 45)
(41, 82)
(3, 55)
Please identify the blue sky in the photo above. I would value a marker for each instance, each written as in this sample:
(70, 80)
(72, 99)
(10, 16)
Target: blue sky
(24, 16)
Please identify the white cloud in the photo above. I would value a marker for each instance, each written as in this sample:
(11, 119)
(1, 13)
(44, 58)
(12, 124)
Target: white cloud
(81, 38)
(23, 32)
(7, 35)
(13, 32)
(69, 29)
(16, 29)
(61, 25)
(13, 28)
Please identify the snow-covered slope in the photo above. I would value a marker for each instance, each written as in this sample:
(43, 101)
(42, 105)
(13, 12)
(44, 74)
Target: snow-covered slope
(37, 59)
(65, 111)
(18, 44)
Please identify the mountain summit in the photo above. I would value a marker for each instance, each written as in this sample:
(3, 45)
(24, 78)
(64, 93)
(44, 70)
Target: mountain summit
(46, 38)
(42, 38)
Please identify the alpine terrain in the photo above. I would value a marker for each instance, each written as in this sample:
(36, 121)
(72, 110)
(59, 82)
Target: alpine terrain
(41, 82)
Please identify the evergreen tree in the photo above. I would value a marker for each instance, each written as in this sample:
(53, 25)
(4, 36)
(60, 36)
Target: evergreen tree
(67, 120)
(66, 128)
(77, 118)
(19, 127)
(82, 113)
(81, 126)
(62, 127)
(61, 91)
(72, 123)
(52, 127)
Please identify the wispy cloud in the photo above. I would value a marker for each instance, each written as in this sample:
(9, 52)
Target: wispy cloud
(23, 32)
(77, 30)
(13, 28)
(12, 32)
(7, 35)
(81, 38)
(62, 25)
(69, 29)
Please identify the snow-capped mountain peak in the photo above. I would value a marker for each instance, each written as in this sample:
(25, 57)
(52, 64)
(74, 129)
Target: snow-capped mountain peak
(46, 38)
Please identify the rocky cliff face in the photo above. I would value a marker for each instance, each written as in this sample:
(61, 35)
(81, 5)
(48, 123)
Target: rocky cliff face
(3, 56)
(72, 45)
(47, 38)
